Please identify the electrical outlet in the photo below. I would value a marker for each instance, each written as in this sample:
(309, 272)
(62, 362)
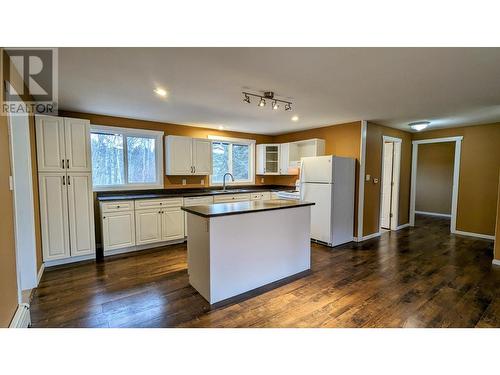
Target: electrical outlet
(262, 180)
(184, 181)
(202, 182)
(368, 177)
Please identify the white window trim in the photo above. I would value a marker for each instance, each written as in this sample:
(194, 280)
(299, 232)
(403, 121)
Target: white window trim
(157, 135)
(251, 171)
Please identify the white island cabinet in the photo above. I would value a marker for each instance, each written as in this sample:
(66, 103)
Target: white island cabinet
(226, 259)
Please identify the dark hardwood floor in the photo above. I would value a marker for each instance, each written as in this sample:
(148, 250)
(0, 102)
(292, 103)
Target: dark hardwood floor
(418, 277)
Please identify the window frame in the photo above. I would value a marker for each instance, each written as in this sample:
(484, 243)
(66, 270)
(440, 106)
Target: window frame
(251, 168)
(130, 132)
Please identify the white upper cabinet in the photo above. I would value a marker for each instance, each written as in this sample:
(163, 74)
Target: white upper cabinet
(285, 158)
(50, 144)
(178, 151)
(63, 144)
(81, 213)
(268, 159)
(187, 156)
(77, 136)
(202, 156)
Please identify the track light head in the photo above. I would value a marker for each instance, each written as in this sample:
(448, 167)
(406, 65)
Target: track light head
(275, 105)
(288, 107)
(247, 99)
(262, 102)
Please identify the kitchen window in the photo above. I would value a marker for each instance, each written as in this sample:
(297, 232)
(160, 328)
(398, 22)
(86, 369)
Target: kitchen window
(235, 156)
(125, 159)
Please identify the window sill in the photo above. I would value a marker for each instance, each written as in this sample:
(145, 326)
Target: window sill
(127, 187)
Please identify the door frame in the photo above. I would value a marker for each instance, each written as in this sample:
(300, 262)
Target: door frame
(25, 241)
(398, 142)
(456, 177)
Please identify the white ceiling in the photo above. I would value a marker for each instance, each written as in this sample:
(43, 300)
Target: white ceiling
(391, 86)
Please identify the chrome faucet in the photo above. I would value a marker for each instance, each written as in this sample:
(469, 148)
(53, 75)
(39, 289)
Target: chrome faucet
(224, 180)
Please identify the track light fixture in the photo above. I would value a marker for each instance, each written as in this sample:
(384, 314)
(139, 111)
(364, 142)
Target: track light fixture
(267, 95)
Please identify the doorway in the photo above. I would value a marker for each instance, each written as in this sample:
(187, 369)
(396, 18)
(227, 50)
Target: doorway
(455, 177)
(391, 161)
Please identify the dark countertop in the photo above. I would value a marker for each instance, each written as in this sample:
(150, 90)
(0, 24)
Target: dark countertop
(176, 193)
(224, 209)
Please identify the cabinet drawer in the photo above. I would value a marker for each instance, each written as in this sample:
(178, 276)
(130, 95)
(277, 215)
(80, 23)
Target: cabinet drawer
(197, 201)
(145, 204)
(231, 198)
(260, 196)
(117, 206)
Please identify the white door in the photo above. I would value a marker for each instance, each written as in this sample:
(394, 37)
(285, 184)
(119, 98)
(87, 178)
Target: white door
(148, 226)
(179, 155)
(172, 223)
(81, 213)
(77, 135)
(317, 169)
(321, 212)
(202, 159)
(385, 212)
(54, 215)
(118, 230)
(50, 144)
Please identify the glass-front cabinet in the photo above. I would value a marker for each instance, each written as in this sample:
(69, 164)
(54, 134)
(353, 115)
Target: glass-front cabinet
(268, 159)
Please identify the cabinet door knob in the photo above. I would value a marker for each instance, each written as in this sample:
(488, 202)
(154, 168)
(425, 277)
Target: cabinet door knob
(104, 217)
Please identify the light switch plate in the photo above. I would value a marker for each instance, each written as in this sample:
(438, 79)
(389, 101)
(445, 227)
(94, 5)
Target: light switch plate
(262, 180)
(184, 181)
(368, 177)
(202, 182)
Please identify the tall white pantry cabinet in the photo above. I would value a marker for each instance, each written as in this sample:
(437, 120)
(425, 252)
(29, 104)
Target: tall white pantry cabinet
(65, 186)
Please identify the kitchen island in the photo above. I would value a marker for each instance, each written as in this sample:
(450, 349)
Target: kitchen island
(234, 248)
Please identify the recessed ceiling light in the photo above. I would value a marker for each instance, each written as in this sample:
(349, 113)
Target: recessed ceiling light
(161, 92)
(221, 127)
(419, 125)
(295, 118)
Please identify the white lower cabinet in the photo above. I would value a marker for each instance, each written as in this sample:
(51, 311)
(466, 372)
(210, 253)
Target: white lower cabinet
(81, 213)
(129, 224)
(172, 223)
(118, 230)
(54, 216)
(67, 215)
(148, 226)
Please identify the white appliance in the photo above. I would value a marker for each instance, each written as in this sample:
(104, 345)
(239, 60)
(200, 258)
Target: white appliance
(328, 181)
(290, 195)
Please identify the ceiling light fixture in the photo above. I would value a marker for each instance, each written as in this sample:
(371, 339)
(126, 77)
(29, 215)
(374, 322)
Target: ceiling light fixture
(161, 92)
(295, 118)
(267, 95)
(419, 125)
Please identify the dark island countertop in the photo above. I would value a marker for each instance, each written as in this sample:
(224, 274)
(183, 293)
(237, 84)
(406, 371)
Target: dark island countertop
(224, 209)
(189, 192)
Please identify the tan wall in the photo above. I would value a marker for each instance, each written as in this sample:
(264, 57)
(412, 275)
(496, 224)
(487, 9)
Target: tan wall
(435, 177)
(479, 168)
(8, 277)
(341, 140)
(497, 230)
(373, 167)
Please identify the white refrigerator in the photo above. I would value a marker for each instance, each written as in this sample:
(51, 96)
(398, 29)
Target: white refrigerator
(329, 181)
